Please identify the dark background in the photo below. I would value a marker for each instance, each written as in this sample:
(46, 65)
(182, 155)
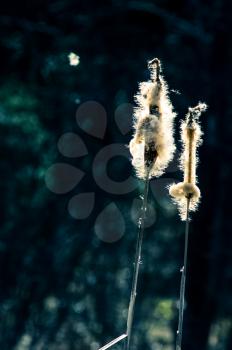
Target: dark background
(62, 287)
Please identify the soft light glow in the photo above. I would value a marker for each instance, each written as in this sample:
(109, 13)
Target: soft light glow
(74, 59)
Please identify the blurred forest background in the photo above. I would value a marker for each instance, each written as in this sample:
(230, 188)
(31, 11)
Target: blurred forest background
(62, 287)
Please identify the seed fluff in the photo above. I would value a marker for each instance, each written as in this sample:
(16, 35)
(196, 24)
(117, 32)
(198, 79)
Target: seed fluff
(152, 146)
(191, 137)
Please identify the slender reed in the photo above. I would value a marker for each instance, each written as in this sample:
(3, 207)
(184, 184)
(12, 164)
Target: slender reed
(149, 158)
(186, 194)
(183, 280)
(137, 259)
(152, 148)
(113, 342)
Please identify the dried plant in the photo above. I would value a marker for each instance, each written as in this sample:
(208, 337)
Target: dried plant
(191, 137)
(152, 148)
(186, 194)
(153, 125)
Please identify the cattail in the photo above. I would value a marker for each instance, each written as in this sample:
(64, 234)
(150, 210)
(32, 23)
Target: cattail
(191, 137)
(186, 194)
(152, 146)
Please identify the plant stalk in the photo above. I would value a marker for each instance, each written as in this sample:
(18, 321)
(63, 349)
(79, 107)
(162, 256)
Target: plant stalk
(111, 343)
(137, 261)
(183, 281)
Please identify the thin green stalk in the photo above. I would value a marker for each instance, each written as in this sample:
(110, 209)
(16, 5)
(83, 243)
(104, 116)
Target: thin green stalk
(183, 281)
(137, 262)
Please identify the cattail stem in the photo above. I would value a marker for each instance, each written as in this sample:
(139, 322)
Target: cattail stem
(183, 280)
(137, 259)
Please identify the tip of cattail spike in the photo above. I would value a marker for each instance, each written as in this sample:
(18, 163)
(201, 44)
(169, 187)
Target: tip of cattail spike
(195, 112)
(153, 62)
(154, 66)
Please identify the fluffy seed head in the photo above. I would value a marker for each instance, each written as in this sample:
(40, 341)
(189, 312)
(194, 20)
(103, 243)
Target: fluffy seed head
(191, 137)
(152, 146)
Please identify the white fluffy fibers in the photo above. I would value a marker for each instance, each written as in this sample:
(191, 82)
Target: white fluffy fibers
(152, 146)
(191, 137)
